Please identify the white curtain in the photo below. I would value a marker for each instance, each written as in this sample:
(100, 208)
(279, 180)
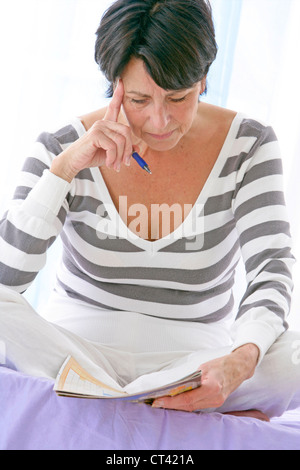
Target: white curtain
(264, 83)
(48, 74)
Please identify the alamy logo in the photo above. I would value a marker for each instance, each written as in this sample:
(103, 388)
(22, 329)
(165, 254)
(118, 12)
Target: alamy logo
(296, 353)
(162, 218)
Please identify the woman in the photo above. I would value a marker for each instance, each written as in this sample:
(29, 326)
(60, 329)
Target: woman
(149, 260)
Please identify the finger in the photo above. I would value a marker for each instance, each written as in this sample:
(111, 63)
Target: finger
(198, 399)
(125, 143)
(120, 142)
(115, 138)
(114, 107)
(121, 150)
(107, 144)
(170, 404)
(185, 401)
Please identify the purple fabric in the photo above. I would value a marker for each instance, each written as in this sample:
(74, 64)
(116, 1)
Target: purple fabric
(32, 417)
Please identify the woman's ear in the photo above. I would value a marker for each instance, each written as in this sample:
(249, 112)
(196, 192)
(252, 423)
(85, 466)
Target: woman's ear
(203, 88)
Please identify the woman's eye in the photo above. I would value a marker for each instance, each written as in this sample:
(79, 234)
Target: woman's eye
(138, 101)
(173, 100)
(178, 100)
(144, 101)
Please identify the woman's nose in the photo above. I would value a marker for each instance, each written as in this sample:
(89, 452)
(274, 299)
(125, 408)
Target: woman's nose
(160, 117)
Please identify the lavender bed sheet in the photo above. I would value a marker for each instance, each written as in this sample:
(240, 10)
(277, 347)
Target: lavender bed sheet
(32, 417)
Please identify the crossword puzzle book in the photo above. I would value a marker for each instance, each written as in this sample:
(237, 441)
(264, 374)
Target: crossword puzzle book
(73, 380)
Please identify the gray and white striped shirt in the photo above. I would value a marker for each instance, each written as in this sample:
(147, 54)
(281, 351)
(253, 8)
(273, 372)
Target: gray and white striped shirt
(187, 275)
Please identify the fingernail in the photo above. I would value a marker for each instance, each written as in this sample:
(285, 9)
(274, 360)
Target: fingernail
(158, 404)
(115, 84)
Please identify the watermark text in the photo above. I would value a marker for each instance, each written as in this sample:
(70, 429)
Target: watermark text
(296, 353)
(171, 222)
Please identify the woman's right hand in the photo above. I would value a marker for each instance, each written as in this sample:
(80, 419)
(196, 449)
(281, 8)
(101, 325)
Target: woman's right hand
(107, 142)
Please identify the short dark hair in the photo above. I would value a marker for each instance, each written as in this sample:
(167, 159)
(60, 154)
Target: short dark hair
(174, 38)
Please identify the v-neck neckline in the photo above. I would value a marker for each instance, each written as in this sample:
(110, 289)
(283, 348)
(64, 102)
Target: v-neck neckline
(188, 227)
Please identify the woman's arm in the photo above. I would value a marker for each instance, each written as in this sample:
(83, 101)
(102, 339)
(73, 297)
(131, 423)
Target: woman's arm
(220, 377)
(264, 233)
(34, 218)
(107, 142)
(40, 204)
(263, 229)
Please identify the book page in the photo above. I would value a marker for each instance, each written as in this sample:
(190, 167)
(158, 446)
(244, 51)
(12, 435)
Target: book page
(180, 371)
(74, 380)
(190, 383)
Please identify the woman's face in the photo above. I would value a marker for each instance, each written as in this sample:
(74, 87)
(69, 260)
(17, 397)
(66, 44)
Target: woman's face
(158, 117)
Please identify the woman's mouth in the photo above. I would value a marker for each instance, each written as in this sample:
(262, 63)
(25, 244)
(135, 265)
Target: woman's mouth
(160, 136)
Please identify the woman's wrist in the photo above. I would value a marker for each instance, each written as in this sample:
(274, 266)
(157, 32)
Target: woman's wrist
(249, 356)
(61, 168)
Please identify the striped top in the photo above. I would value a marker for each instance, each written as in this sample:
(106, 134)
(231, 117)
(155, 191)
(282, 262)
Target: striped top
(188, 275)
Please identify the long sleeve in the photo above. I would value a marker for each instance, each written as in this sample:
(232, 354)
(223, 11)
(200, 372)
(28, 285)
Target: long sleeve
(264, 233)
(35, 216)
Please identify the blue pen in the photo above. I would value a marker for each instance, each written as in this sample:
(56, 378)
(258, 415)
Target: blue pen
(141, 162)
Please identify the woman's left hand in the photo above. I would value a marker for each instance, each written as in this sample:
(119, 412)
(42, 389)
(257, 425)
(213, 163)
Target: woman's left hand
(220, 377)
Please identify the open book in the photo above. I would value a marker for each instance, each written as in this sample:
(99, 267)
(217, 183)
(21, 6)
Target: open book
(73, 380)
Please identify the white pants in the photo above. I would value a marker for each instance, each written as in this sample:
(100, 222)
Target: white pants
(127, 345)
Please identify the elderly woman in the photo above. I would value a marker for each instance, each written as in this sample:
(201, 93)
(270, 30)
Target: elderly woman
(149, 260)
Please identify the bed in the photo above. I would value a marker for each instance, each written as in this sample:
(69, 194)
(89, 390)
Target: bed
(33, 417)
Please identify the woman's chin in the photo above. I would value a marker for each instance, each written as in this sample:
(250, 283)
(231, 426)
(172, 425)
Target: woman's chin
(162, 145)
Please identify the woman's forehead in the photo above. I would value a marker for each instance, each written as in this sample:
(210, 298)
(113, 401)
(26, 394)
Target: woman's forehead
(138, 81)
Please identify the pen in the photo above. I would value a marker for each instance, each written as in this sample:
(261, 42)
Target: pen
(141, 162)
